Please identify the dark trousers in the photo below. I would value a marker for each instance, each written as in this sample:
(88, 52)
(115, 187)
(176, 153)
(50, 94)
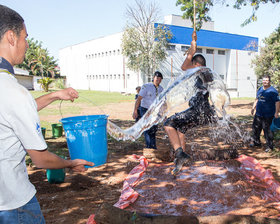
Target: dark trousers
(150, 135)
(259, 124)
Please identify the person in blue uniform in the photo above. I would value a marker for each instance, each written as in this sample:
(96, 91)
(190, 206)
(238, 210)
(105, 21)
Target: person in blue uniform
(266, 106)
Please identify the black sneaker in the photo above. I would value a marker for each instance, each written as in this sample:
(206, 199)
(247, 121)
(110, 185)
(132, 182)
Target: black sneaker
(180, 159)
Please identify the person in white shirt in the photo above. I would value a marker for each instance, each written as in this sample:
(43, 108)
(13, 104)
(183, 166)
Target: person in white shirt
(20, 130)
(146, 97)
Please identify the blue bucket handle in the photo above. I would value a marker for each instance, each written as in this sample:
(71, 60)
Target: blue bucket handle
(274, 126)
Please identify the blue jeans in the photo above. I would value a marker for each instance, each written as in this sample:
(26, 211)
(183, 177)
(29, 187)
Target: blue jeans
(29, 213)
(150, 135)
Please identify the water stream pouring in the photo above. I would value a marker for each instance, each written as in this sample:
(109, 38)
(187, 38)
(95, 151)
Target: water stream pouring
(179, 92)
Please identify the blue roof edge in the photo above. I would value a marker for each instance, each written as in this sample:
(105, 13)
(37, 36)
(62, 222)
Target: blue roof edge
(214, 39)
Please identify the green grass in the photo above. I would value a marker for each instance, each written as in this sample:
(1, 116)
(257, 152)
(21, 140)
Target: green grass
(96, 98)
(244, 98)
(86, 97)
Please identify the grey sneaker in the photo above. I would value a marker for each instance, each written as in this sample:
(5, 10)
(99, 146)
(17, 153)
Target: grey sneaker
(180, 159)
(268, 149)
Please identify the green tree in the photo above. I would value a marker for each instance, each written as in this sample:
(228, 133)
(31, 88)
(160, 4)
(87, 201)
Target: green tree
(203, 8)
(37, 60)
(143, 44)
(268, 61)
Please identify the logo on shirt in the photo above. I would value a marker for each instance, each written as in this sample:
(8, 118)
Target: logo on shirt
(38, 128)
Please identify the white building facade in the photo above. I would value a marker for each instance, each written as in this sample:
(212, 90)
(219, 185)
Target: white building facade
(99, 64)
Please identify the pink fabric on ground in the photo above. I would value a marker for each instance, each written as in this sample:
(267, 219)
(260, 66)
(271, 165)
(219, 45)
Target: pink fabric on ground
(256, 173)
(91, 219)
(128, 195)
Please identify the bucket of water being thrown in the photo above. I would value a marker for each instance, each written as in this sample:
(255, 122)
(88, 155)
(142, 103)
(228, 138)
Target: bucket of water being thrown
(87, 137)
(275, 125)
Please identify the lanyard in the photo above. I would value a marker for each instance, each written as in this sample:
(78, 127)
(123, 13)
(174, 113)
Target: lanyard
(3, 70)
(156, 90)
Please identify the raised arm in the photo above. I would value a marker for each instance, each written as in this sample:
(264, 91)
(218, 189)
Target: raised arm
(187, 64)
(65, 94)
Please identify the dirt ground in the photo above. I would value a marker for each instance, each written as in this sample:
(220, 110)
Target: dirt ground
(82, 194)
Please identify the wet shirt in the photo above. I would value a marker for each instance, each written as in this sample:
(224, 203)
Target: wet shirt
(266, 102)
(149, 92)
(19, 130)
(201, 98)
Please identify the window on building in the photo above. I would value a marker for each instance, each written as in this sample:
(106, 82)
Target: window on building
(115, 76)
(100, 76)
(222, 76)
(209, 51)
(110, 52)
(111, 76)
(119, 76)
(184, 48)
(198, 50)
(221, 52)
(114, 52)
(248, 77)
(119, 51)
(92, 55)
(171, 47)
(128, 76)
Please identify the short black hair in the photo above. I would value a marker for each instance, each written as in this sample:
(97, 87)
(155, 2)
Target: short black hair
(198, 58)
(158, 74)
(10, 20)
(267, 76)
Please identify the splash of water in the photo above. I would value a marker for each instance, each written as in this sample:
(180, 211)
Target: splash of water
(177, 93)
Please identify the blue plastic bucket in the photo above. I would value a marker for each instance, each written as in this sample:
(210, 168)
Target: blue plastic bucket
(87, 137)
(275, 125)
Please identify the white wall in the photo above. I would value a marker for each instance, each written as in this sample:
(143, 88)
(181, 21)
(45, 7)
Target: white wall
(98, 65)
(241, 75)
(26, 81)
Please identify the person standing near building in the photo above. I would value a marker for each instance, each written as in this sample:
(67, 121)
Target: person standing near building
(146, 97)
(138, 88)
(20, 130)
(266, 106)
(199, 111)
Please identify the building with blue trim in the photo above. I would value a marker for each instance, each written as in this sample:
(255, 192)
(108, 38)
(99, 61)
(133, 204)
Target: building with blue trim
(99, 64)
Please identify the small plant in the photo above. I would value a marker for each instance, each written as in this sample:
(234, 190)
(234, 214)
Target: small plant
(59, 84)
(45, 83)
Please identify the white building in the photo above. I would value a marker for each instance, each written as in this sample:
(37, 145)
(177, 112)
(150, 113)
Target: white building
(99, 64)
(30, 82)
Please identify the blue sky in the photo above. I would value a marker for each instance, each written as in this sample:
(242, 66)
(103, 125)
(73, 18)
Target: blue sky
(60, 23)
